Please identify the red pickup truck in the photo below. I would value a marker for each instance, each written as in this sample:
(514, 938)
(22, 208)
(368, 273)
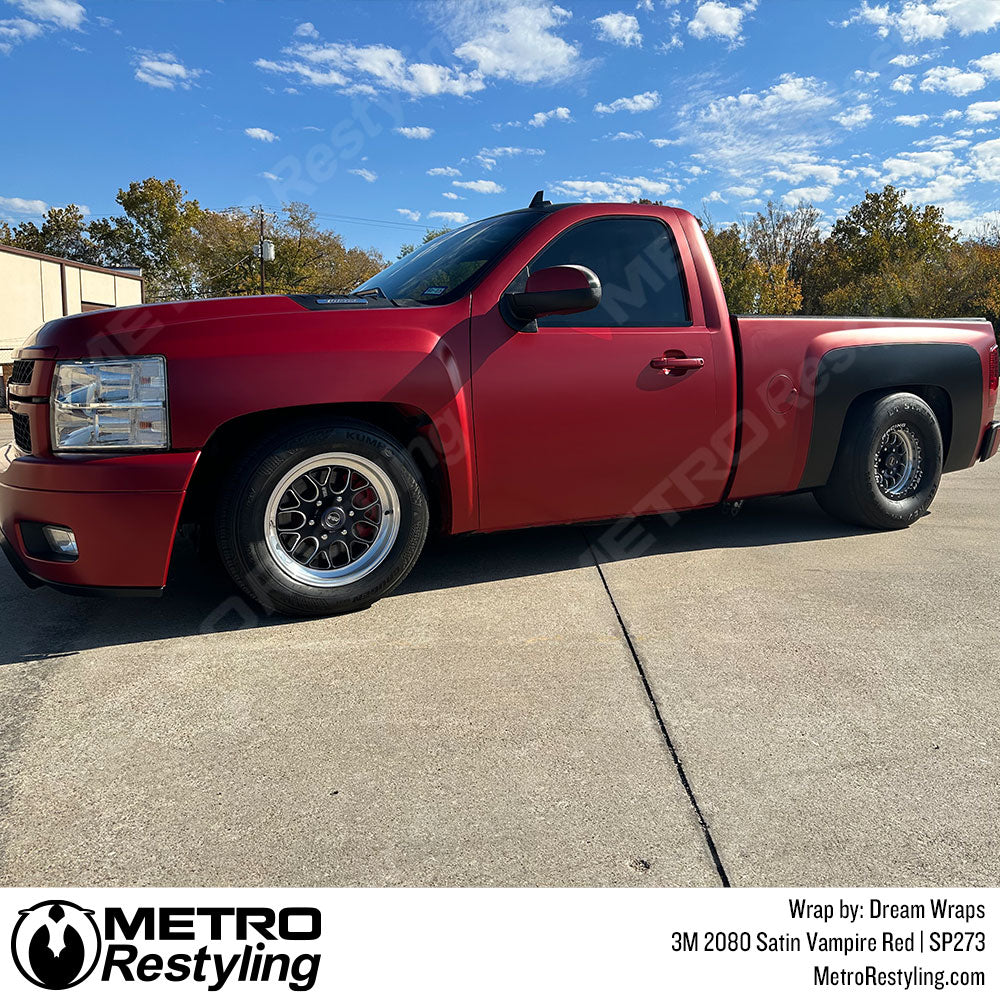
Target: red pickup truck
(561, 363)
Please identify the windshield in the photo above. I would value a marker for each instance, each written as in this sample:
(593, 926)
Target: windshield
(442, 270)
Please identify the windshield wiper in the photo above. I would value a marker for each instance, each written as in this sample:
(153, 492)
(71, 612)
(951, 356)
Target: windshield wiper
(376, 292)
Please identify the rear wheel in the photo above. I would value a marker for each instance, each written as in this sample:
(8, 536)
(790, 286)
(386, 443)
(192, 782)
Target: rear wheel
(322, 519)
(888, 468)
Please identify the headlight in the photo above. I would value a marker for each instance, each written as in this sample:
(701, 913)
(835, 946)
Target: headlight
(110, 404)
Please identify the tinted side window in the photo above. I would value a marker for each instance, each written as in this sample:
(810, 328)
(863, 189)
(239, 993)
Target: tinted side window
(639, 267)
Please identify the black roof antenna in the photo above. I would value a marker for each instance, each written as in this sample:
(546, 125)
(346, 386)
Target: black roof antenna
(538, 201)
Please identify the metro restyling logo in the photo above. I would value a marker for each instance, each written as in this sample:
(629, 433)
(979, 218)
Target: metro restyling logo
(57, 944)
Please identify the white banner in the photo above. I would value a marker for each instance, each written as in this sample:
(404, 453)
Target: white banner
(465, 943)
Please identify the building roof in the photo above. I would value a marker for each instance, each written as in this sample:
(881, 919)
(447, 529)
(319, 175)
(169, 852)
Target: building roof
(135, 273)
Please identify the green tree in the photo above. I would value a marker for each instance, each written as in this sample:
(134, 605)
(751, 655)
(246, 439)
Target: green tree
(431, 234)
(307, 259)
(885, 258)
(63, 233)
(158, 233)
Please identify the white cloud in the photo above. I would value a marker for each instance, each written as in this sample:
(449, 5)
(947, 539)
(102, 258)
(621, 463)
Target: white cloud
(796, 171)
(614, 189)
(787, 122)
(414, 131)
(741, 191)
(164, 71)
(903, 83)
(451, 196)
(990, 65)
(365, 174)
(854, 117)
(409, 213)
(15, 30)
(713, 19)
(927, 20)
(952, 80)
(449, 218)
(261, 134)
(444, 172)
(24, 206)
(340, 65)
(925, 164)
(510, 40)
(513, 41)
(306, 30)
(488, 157)
(911, 120)
(969, 16)
(820, 193)
(61, 13)
(660, 143)
(985, 160)
(622, 29)
(983, 111)
(906, 61)
(482, 187)
(269, 176)
(864, 76)
(541, 118)
(623, 136)
(638, 102)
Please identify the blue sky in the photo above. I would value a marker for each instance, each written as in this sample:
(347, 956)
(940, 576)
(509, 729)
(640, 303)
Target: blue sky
(391, 116)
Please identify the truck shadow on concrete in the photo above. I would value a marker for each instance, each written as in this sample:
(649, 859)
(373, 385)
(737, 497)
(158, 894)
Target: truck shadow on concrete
(200, 600)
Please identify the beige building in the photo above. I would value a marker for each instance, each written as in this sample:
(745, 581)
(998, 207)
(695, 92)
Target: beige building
(35, 288)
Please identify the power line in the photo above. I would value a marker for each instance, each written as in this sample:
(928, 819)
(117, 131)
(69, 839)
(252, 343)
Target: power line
(385, 223)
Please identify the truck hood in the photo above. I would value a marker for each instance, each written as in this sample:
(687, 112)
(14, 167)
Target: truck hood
(151, 328)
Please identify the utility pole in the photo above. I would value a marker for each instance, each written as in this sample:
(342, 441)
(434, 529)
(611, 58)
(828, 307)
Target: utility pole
(265, 249)
(260, 209)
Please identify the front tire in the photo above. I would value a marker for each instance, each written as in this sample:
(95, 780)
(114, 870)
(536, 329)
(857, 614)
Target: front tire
(322, 518)
(888, 468)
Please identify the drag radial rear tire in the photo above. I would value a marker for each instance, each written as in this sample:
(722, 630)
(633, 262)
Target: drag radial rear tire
(321, 518)
(888, 467)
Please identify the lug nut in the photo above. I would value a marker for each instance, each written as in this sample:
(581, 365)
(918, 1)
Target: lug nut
(344, 532)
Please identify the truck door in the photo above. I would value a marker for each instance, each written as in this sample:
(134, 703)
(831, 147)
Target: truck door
(571, 421)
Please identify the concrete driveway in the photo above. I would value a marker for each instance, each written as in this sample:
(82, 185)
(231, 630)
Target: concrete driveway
(769, 700)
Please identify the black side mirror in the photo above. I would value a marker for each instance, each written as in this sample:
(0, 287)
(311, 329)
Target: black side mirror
(569, 288)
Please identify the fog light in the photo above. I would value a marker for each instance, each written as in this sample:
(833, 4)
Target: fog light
(62, 541)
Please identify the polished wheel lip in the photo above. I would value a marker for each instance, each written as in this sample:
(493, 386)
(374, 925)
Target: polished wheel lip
(387, 528)
(898, 462)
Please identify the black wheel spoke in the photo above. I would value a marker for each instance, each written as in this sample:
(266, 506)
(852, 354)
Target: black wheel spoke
(332, 518)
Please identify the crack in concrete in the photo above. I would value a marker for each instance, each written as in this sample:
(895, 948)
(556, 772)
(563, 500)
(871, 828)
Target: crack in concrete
(685, 783)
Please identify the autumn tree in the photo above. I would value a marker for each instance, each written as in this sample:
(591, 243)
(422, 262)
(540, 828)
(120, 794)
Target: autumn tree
(750, 285)
(885, 257)
(307, 258)
(780, 236)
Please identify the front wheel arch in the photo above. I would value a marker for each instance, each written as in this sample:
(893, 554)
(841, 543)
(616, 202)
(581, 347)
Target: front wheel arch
(408, 425)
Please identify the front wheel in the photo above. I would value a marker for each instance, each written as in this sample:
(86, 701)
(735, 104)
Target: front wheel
(888, 468)
(322, 519)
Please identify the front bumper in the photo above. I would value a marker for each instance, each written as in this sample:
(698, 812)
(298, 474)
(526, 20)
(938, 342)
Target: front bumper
(123, 509)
